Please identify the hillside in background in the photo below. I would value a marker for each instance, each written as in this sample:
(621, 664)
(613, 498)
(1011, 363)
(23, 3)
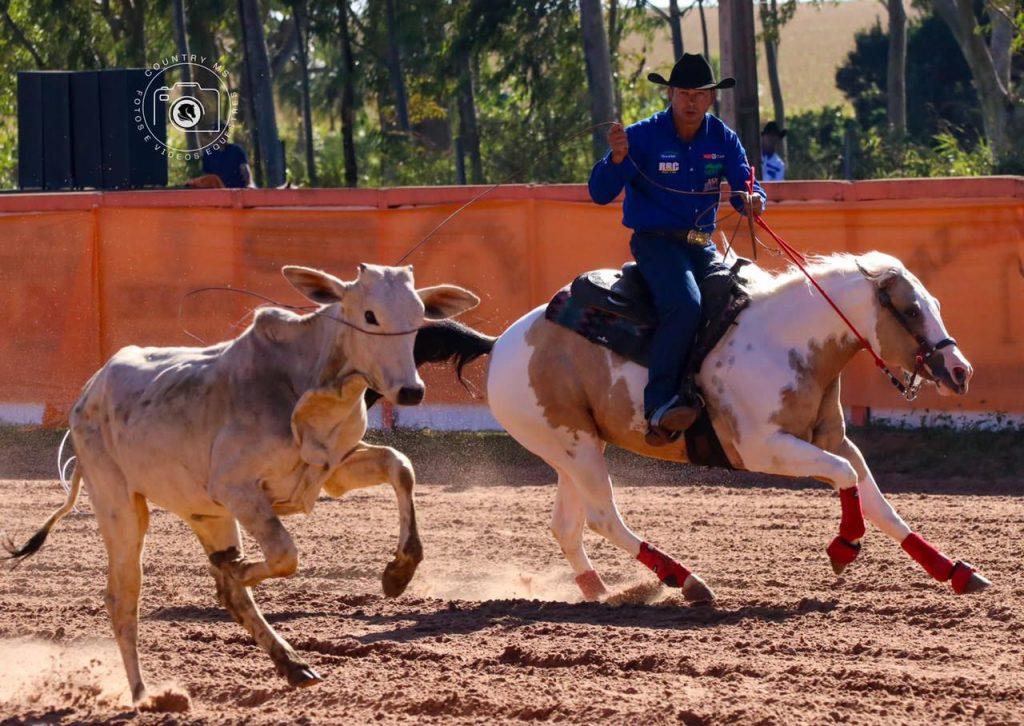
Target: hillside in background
(814, 43)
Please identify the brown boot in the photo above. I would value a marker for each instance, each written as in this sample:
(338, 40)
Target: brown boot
(668, 422)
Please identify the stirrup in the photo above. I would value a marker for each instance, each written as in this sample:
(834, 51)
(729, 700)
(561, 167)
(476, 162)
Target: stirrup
(660, 434)
(675, 415)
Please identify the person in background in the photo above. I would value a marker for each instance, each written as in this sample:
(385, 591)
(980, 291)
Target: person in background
(230, 163)
(773, 168)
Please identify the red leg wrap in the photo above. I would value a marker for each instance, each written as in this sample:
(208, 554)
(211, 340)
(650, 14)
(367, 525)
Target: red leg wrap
(961, 577)
(591, 585)
(842, 552)
(668, 570)
(851, 526)
(934, 562)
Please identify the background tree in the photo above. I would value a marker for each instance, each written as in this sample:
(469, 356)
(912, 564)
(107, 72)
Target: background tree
(301, 21)
(348, 94)
(988, 55)
(261, 91)
(599, 72)
(773, 16)
(896, 74)
(940, 95)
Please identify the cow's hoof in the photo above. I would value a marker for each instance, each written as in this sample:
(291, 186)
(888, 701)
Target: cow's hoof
(694, 590)
(397, 575)
(301, 675)
(966, 580)
(841, 553)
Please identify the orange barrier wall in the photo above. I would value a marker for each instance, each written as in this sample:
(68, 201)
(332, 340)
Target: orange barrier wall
(86, 273)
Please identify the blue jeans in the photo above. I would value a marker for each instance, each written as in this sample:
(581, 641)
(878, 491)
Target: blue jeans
(673, 269)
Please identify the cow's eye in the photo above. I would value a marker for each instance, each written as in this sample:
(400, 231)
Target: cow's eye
(371, 318)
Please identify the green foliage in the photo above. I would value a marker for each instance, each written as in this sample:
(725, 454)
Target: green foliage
(940, 95)
(817, 147)
(528, 78)
(815, 143)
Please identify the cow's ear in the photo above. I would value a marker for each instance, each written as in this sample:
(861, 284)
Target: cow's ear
(317, 285)
(446, 301)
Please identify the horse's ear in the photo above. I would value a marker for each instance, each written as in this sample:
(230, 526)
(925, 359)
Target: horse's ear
(319, 286)
(883, 278)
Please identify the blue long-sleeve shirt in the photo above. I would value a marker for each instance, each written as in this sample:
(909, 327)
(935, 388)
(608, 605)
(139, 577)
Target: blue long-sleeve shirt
(695, 166)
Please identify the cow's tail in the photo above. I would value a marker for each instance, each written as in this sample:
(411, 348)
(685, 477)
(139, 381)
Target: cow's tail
(37, 540)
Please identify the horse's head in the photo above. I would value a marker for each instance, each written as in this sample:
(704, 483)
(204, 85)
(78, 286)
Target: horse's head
(377, 316)
(909, 326)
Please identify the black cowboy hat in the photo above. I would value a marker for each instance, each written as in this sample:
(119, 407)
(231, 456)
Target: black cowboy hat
(773, 128)
(694, 72)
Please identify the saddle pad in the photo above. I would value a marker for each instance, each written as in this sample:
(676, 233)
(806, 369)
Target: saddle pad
(627, 337)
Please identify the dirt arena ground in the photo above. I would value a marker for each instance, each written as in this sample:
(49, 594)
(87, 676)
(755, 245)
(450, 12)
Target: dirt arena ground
(491, 628)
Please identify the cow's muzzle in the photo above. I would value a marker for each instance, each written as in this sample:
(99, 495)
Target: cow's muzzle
(411, 395)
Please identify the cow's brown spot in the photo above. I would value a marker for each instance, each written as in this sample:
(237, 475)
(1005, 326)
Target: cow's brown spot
(816, 368)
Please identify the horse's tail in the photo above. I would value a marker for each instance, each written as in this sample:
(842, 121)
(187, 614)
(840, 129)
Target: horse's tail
(446, 341)
(37, 540)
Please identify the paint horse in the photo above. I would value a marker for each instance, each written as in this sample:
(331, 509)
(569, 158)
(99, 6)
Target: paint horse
(771, 386)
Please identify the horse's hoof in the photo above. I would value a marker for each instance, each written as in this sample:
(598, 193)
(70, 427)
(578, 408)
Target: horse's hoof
(301, 675)
(592, 586)
(841, 553)
(966, 580)
(694, 590)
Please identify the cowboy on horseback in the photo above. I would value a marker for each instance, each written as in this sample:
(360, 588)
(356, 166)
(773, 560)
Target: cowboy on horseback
(671, 166)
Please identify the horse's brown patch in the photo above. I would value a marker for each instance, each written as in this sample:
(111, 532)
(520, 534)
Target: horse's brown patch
(830, 428)
(558, 357)
(815, 369)
(895, 345)
(728, 432)
(572, 381)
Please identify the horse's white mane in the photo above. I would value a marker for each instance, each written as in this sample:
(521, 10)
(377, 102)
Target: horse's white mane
(762, 282)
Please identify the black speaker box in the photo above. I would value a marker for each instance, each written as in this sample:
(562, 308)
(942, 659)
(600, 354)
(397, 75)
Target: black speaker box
(86, 138)
(78, 129)
(30, 130)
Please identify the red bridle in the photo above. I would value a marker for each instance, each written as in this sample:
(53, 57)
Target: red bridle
(925, 350)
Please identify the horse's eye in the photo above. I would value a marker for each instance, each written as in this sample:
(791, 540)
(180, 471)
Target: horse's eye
(912, 313)
(371, 318)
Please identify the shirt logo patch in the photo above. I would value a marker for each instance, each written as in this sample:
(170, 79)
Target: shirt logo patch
(713, 169)
(668, 167)
(712, 184)
(712, 156)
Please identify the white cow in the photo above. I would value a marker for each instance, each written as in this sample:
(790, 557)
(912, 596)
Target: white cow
(247, 430)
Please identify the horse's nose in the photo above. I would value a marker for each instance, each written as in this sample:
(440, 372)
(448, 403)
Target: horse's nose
(960, 375)
(410, 395)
